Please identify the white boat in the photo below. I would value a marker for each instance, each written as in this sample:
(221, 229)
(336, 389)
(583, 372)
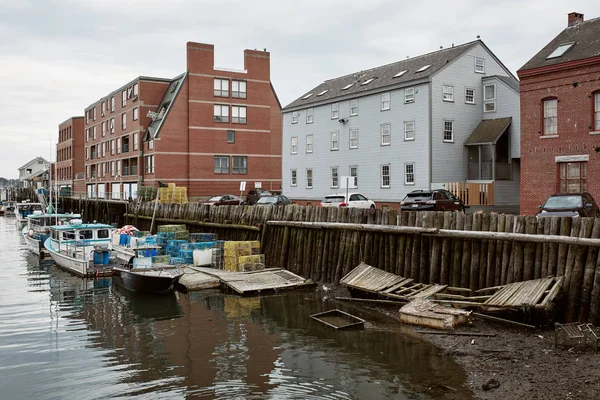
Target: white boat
(38, 226)
(83, 249)
(22, 210)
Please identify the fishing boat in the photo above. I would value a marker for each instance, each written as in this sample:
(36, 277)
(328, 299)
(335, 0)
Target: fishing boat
(38, 226)
(22, 210)
(141, 275)
(83, 249)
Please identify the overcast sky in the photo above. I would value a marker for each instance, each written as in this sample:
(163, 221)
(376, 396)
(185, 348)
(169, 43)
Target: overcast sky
(59, 56)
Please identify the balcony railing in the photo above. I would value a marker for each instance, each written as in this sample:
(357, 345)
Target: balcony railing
(473, 194)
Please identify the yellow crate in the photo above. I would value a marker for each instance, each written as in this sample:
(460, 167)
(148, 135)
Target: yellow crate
(253, 259)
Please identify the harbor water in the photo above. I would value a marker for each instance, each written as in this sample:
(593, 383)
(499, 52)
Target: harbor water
(63, 337)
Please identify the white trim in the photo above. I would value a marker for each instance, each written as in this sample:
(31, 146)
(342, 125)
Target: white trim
(548, 136)
(578, 158)
(595, 133)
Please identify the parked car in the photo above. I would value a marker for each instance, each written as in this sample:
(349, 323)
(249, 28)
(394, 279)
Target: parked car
(273, 200)
(224, 200)
(354, 200)
(255, 194)
(569, 205)
(431, 200)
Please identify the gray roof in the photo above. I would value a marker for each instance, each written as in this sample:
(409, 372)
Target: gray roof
(585, 35)
(383, 76)
(510, 81)
(488, 131)
(34, 161)
(164, 107)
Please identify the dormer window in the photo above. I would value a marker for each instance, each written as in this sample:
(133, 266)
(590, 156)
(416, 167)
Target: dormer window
(323, 92)
(560, 50)
(367, 81)
(348, 86)
(423, 68)
(307, 96)
(399, 74)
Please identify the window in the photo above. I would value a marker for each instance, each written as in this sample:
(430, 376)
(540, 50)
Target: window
(238, 89)
(293, 178)
(354, 174)
(448, 93)
(409, 174)
(409, 130)
(103, 109)
(335, 111)
(386, 134)
(230, 136)
(124, 98)
(470, 96)
(334, 178)
(448, 131)
(87, 155)
(240, 165)
(354, 138)
(135, 114)
(409, 95)
(480, 65)
(309, 143)
(385, 176)
(294, 145)
(550, 117)
(112, 125)
(221, 87)
(335, 143)
(221, 165)
(399, 74)
(322, 92)
(597, 111)
(309, 178)
(118, 145)
(310, 115)
(112, 104)
(103, 128)
(423, 68)
(385, 101)
(149, 161)
(367, 81)
(118, 167)
(295, 117)
(221, 113)
(573, 177)
(94, 112)
(112, 147)
(94, 132)
(489, 98)
(125, 140)
(135, 141)
(353, 107)
(136, 91)
(560, 50)
(112, 168)
(348, 86)
(123, 121)
(150, 144)
(238, 114)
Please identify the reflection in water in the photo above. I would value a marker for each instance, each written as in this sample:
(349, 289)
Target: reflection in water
(66, 337)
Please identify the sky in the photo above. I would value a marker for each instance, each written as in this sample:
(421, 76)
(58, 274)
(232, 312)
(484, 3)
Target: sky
(59, 56)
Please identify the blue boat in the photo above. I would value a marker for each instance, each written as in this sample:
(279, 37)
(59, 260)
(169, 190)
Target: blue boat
(38, 226)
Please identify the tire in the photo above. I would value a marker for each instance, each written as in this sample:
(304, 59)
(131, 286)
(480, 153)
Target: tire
(372, 207)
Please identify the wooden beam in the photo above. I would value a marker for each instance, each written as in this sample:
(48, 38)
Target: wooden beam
(196, 223)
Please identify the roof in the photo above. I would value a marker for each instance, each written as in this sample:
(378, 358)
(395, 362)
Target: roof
(33, 161)
(164, 107)
(125, 86)
(42, 216)
(80, 226)
(510, 81)
(488, 131)
(586, 38)
(383, 76)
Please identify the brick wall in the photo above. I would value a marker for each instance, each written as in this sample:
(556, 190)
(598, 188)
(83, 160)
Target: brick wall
(573, 88)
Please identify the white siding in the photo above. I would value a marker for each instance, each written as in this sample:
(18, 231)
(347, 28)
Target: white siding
(369, 156)
(507, 105)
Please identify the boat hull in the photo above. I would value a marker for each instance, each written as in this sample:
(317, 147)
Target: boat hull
(149, 281)
(77, 266)
(33, 244)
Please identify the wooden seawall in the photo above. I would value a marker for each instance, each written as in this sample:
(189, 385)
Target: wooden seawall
(465, 250)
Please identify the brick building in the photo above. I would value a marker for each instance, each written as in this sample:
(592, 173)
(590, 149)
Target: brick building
(560, 115)
(206, 129)
(69, 152)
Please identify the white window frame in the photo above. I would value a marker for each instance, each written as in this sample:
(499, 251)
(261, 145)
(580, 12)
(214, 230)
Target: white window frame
(382, 174)
(480, 65)
(118, 145)
(94, 132)
(355, 176)
(335, 177)
(335, 110)
(491, 101)
(136, 91)
(550, 116)
(135, 141)
(136, 114)
(353, 107)
(223, 117)
(293, 178)
(103, 128)
(309, 143)
(335, 141)
(409, 174)
(239, 89)
(386, 101)
(218, 90)
(123, 121)
(124, 98)
(310, 115)
(150, 144)
(596, 121)
(112, 104)
(409, 95)
(353, 137)
(451, 130)
(112, 147)
(409, 126)
(448, 93)
(238, 115)
(295, 115)
(219, 170)
(309, 180)
(294, 145)
(467, 96)
(384, 134)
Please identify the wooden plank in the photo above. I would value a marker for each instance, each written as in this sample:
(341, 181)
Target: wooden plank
(535, 300)
(403, 282)
(553, 292)
(430, 291)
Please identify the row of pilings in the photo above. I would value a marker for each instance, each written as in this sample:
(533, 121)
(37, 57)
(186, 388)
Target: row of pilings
(463, 250)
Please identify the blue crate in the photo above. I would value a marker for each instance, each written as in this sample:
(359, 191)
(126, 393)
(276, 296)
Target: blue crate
(176, 261)
(202, 237)
(187, 255)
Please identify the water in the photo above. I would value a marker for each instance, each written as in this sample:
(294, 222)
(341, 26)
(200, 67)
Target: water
(62, 337)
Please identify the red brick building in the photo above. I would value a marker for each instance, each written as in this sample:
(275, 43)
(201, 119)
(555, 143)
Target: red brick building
(207, 129)
(560, 115)
(69, 152)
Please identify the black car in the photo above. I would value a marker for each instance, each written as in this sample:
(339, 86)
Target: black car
(255, 194)
(275, 200)
(431, 200)
(569, 205)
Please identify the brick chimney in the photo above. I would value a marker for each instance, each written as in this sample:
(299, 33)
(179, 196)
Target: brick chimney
(575, 18)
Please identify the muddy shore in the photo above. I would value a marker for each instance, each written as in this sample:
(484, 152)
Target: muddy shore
(515, 363)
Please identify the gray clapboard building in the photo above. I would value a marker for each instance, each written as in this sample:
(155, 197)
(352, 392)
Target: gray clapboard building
(451, 116)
